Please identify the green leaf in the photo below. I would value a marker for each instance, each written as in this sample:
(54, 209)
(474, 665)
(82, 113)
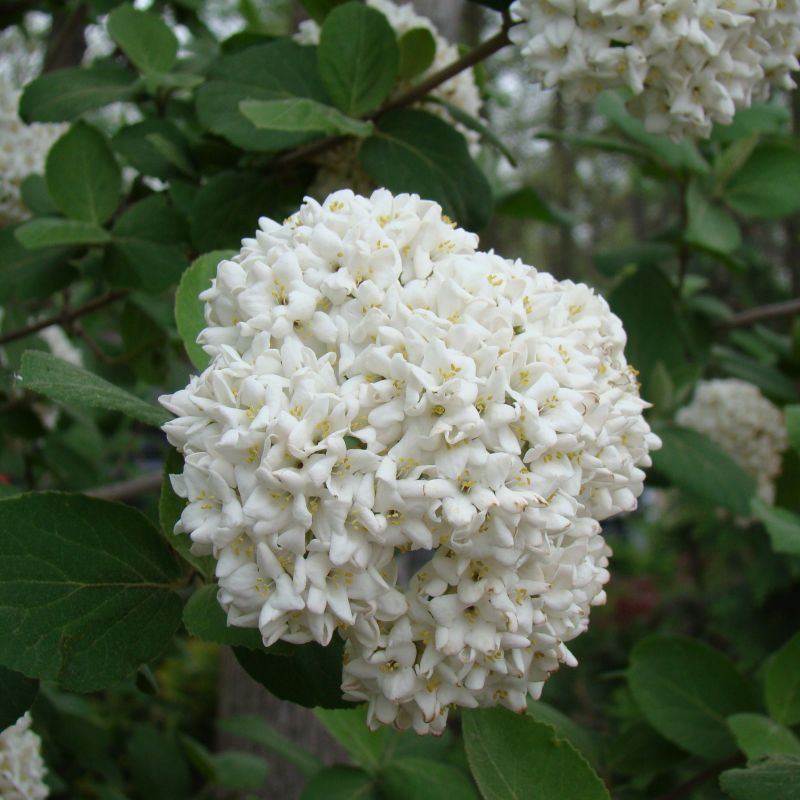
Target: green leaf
(759, 736)
(696, 464)
(17, 694)
(148, 247)
(782, 683)
(424, 779)
(204, 619)
(231, 769)
(527, 203)
(85, 589)
(765, 186)
(143, 343)
(776, 777)
(515, 757)
(157, 764)
(309, 674)
(685, 690)
(43, 232)
(770, 380)
(639, 751)
(341, 783)
(36, 197)
(319, 9)
(349, 728)
(66, 94)
(154, 147)
(358, 57)
(279, 70)
(682, 155)
(144, 38)
(417, 52)
(645, 301)
(257, 729)
(229, 206)
(170, 507)
(783, 527)
(582, 739)
(644, 254)
(792, 414)
(301, 114)
(709, 227)
(83, 177)
(474, 124)
(189, 309)
(29, 274)
(66, 383)
(413, 151)
(758, 118)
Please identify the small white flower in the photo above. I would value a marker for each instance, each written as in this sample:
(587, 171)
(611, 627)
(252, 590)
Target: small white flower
(689, 64)
(22, 768)
(431, 397)
(747, 426)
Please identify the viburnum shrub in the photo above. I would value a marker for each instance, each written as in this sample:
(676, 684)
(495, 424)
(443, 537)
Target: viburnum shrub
(274, 390)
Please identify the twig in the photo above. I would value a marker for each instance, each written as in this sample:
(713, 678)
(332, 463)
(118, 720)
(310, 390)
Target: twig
(415, 93)
(686, 789)
(753, 315)
(63, 318)
(124, 490)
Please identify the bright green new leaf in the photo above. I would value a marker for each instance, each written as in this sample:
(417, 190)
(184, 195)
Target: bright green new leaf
(257, 729)
(43, 232)
(189, 308)
(417, 51)
(204, 619)
(700, 467)
(144, 37)
(66, 383)
(341, 783)
(86, 589)
(17, 694)
(759, 736)
(783, 527)
(782, 683)
(515, 757)
(685, 690)
(67, 93)
(358, 57)
(414, 151)
(302, 114)
(775, 778)
(83, 177)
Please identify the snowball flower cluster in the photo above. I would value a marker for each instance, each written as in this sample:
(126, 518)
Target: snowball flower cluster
(747, 426)
(22, 769)
(23, 149)
(377, 385)
(339, 167)
(689, 63)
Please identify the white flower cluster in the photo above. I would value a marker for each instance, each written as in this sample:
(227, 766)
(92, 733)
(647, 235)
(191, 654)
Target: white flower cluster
(747, 426)
(339, 167)
(22, 768)
(689, 63)
(377, 386)
(23, 149)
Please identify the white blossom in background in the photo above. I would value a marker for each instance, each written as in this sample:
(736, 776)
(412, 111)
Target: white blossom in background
(339, 167)
(747, 426)
(377, 385)
(23, 150)
(22, 768)
(688, 64)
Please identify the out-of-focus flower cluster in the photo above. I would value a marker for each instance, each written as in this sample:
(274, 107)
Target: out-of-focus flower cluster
(23, 149)
(747, 426)
(339, 167)
(22, 768)
(379, 386)
(688, 63)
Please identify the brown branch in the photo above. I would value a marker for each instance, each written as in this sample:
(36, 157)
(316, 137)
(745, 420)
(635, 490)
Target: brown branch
(125, 490)
(415, 93)
(753, 315)
(66, 44)
(64, 318)
(687, 788)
